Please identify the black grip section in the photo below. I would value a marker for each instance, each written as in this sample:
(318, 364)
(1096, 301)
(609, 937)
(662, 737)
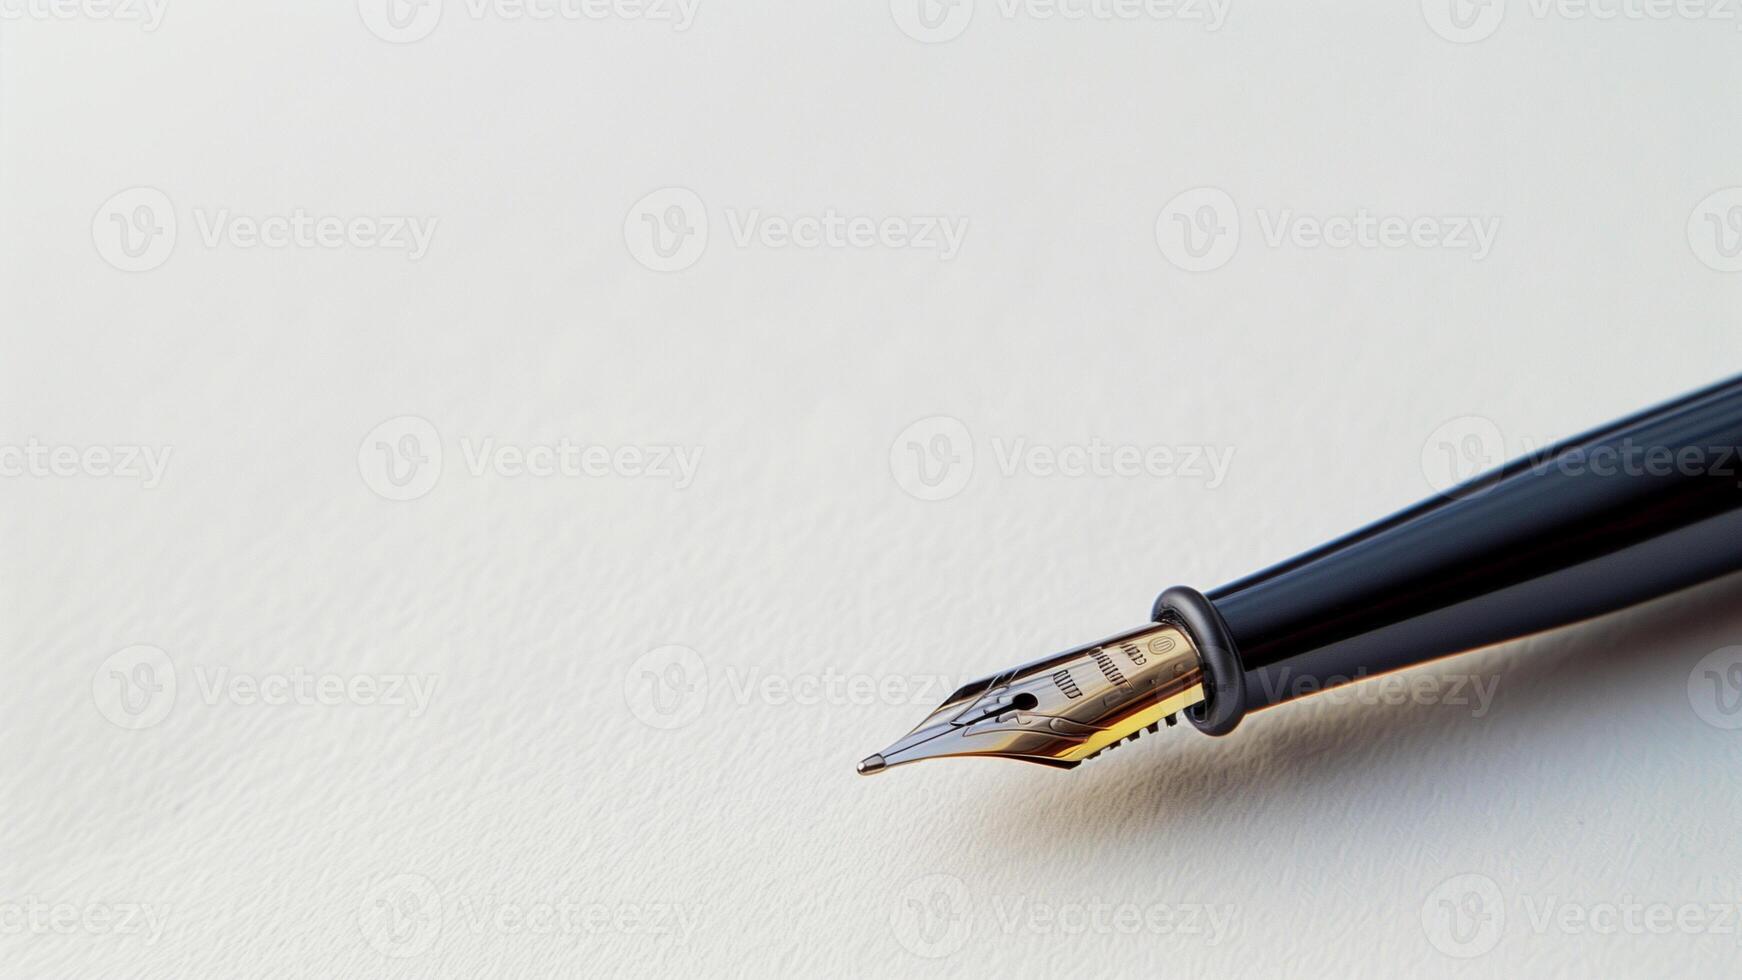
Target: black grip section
(1640, 508)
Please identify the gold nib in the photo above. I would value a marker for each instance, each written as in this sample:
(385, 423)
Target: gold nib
(1062, 709)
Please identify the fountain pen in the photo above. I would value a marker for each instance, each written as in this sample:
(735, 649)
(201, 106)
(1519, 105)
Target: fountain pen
(1636, 509)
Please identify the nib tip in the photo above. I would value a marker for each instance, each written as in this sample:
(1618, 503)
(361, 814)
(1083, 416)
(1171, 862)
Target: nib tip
(871, 764)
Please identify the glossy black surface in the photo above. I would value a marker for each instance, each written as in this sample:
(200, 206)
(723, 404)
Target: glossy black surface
(1544, 541)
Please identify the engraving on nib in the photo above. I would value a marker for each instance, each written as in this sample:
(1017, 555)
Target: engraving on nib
(1062, 709)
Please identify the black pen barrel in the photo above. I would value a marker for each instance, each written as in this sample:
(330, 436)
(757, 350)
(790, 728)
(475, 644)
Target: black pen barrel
(1636, 509)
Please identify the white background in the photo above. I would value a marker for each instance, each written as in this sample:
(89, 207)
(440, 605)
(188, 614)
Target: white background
(706, 823)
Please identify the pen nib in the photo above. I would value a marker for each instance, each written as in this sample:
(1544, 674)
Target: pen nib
(1061, 709)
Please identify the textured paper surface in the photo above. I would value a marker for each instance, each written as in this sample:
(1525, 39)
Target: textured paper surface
(575, 797)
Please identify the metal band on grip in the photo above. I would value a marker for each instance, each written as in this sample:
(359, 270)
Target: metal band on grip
(1225, 678)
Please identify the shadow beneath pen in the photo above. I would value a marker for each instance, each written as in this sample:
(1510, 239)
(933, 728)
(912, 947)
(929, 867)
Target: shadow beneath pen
(1567, 701)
